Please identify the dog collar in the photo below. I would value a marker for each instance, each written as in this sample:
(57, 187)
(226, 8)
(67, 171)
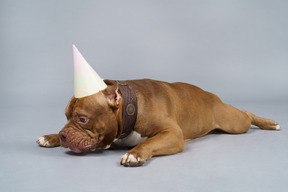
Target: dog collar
(130, 108)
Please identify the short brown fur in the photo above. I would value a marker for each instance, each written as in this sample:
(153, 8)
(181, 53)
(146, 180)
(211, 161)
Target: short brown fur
(168, 115)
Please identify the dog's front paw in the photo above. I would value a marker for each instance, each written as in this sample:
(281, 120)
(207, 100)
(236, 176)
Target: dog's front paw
(49, 140)
(133, 159)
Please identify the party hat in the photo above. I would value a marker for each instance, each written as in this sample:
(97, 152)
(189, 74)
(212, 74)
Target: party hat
(86, 80)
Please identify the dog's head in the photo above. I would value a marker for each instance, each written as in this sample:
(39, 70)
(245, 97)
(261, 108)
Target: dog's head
(93, 121)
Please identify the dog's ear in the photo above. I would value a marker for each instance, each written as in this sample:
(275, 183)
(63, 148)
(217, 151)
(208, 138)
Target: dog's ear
(112, 95)
(70, 106)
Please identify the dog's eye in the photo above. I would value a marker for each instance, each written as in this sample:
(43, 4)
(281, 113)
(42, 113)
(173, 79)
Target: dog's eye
(83, 119)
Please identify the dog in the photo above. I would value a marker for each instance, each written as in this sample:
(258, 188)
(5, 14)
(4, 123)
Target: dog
(153, 117)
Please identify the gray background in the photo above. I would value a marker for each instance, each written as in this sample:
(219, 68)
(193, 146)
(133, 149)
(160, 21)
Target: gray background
(235, 49)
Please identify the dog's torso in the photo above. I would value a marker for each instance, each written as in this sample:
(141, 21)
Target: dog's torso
(161, 103)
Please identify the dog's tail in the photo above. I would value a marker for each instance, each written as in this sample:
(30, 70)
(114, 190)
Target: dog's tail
(263, 123)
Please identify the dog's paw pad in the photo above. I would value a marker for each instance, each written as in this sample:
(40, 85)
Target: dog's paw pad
(131, 160)
(42, 141)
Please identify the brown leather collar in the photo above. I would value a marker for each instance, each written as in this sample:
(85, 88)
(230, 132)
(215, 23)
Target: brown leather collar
(130, 108)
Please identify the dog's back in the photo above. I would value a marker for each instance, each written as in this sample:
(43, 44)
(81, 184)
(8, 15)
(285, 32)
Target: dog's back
(197, 112)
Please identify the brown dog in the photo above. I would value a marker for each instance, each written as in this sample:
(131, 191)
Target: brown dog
(168, 114)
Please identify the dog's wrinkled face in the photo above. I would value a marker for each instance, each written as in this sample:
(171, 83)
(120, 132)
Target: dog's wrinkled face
(92, 121)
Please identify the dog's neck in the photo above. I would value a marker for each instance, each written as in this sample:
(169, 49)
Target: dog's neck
(129, 109)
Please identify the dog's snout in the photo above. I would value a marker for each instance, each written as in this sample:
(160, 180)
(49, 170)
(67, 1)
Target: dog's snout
(63, 135)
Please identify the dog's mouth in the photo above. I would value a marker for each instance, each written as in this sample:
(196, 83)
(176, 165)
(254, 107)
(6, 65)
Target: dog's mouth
(75, 141)
(80, 149)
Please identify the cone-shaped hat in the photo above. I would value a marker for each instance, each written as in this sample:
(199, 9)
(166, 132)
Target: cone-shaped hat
(86, 80)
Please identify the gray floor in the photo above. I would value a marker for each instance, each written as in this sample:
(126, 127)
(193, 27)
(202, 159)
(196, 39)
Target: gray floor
(234, 49)
(255, 161)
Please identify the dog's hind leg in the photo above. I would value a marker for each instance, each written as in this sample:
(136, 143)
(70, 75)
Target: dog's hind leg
(51, 140)
(231, 119)
(263, 123)
(235, 121)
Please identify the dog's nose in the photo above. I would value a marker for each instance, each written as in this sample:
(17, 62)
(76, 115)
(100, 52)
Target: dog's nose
(63, 135)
